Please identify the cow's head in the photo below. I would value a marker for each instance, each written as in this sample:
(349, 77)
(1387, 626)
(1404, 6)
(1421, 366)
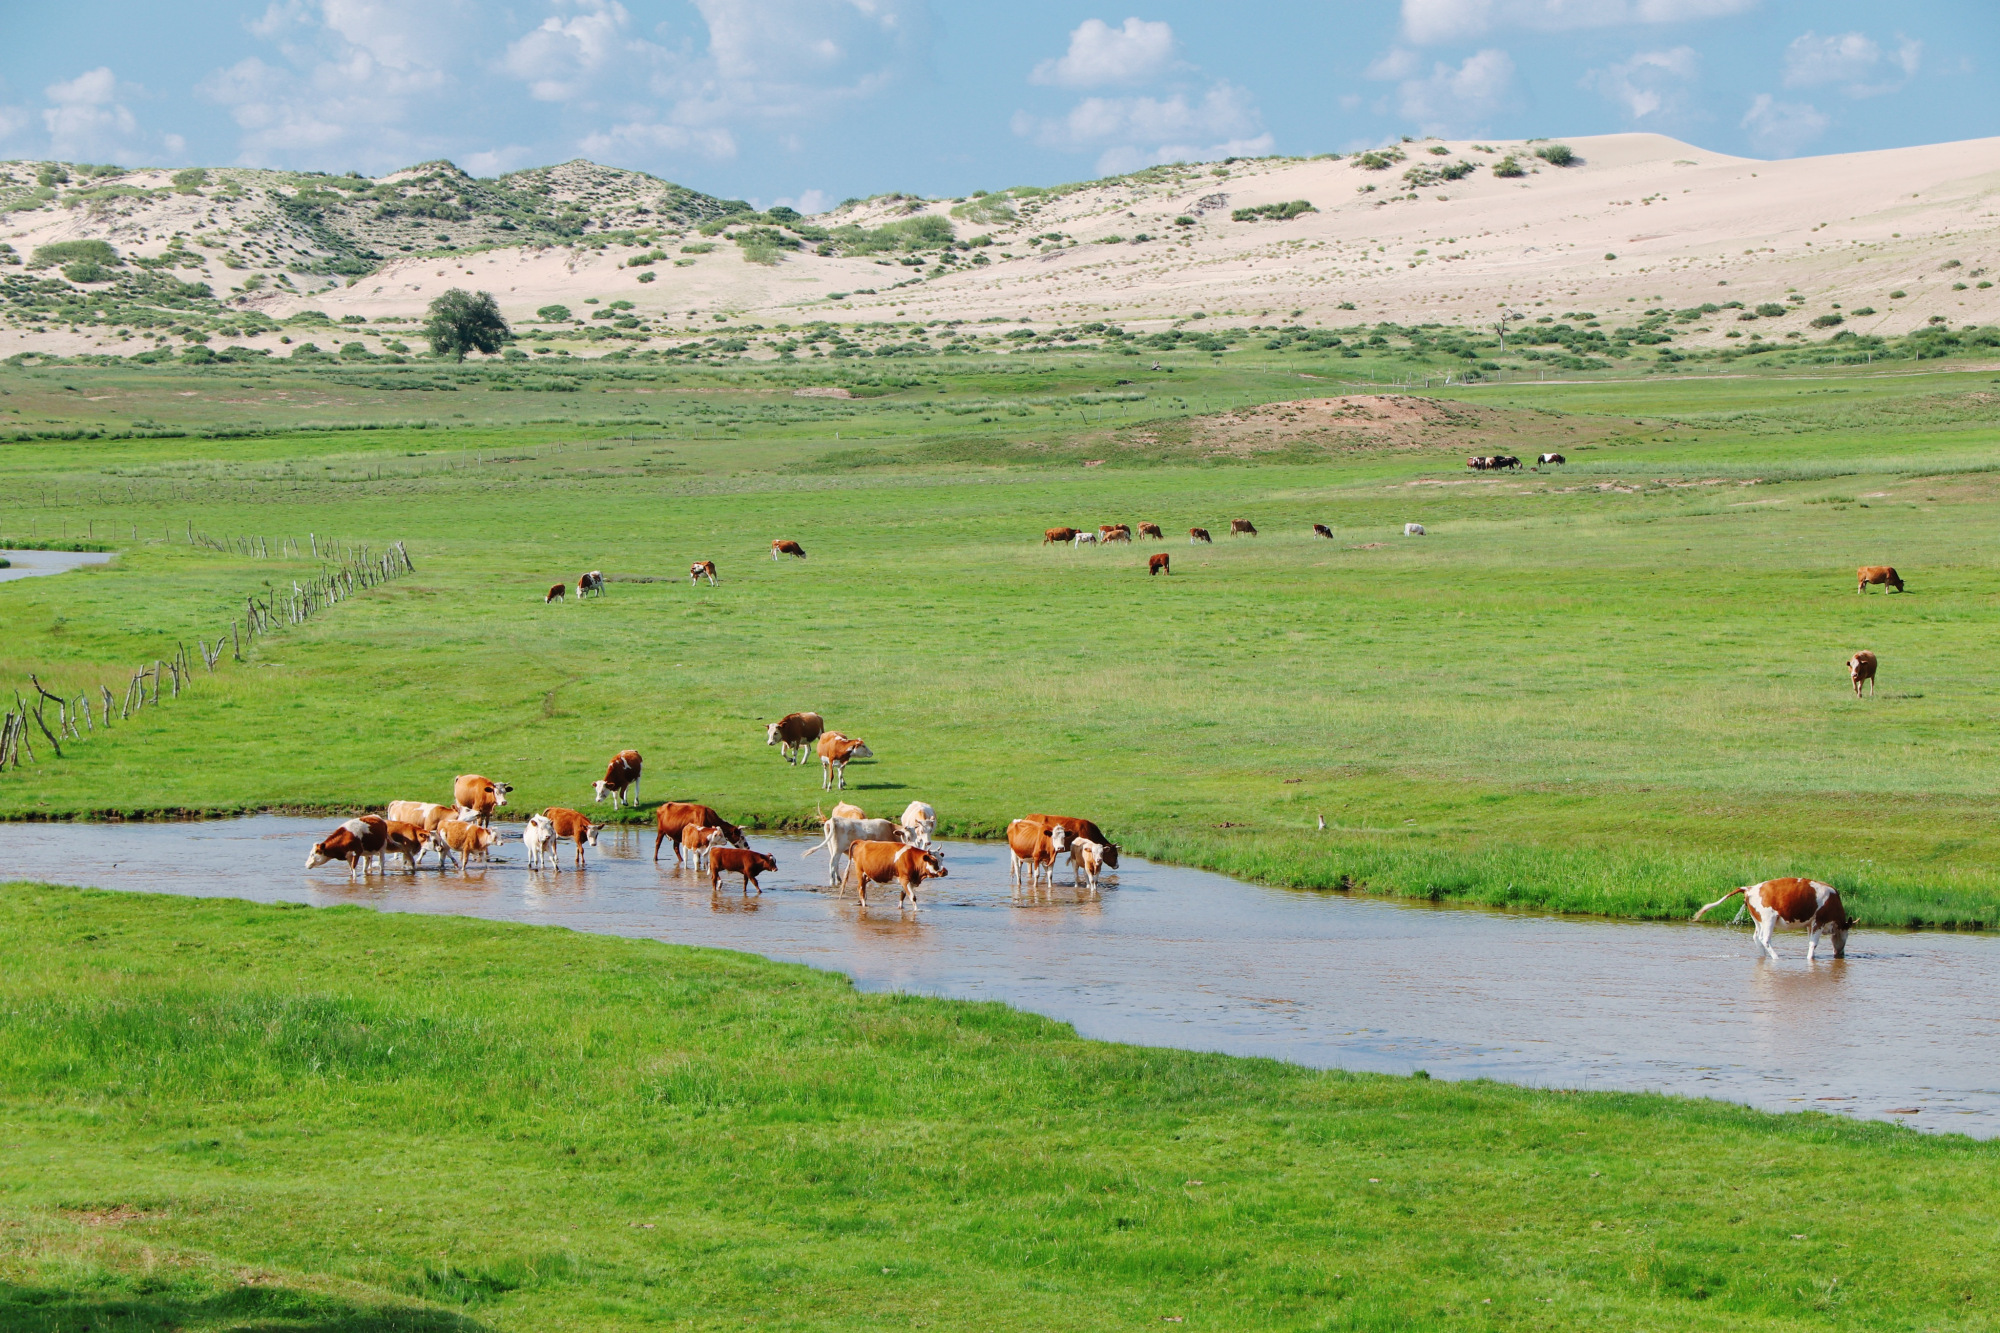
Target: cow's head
(602, 788)
(762, 861)
(771, 734)
(733, 835)
(318, 856)
(590, 832)
(932, 865)
(1059, 837)
(858, 749)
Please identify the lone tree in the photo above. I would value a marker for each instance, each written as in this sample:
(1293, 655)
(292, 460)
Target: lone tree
(461, 322)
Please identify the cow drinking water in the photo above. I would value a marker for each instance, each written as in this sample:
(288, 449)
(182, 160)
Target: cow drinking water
(1805, 904)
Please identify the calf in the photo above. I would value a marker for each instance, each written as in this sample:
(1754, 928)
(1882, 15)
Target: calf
(739, 861)
(1113, 532)
(919, 822)
(481, 796)
(1242, 527)
(555, 594)
(1034, 845)
(699, 570)
(783, 547)
(360, 840)
(409, 841)
(621, 776)
(1057, 536)
(467, 839)
(1158, 564)
(673, 816)
(1804, 903)
(1861, 670)
(540, 836)
(795, 731)
(1882, 574)
(879, 862)
(835, 751)
(575, 827)
(697, 842)
(841, 834)
(1198, 535)
(1086, 857)
(1413, 529)
(589, 583)
(1082, 828)
(1151, 530)
(1322, 530)
(1550, 458)
(1082, 539)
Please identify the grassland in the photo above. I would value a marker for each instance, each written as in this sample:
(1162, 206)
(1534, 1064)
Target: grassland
(227, 1116)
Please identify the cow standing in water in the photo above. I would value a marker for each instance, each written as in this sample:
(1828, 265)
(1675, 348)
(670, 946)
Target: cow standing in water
(1805, 904)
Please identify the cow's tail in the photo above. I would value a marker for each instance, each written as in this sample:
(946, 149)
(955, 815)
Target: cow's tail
(1720, 901)
(825, 844)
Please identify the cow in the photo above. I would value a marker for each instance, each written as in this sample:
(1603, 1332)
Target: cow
(795, 731)
(423, 813)
(1322, 530)
(409, 841)
(1151, 530)
(1057, 536)
(573, 826)
(919, 822)
(1082, 828)
(698, 842)
(1502, 461)
(480, 795)
(1198, 535)
(1413, 529)
(1242, 527)
(1082, 539)
(1035, 845)
(699, 570)
(1861, 670)
(1479, 462)
(1883, 574)
(621, 776)
(739, 861)
(879, 862)
(1086, 857)
(1557, 459)
(840, 834)
(540, 836)
(555, 594)
(357, 841)
(1791, 901)
(467, 839)
(783, 547)
(1158, 564)
(673, 816)
(846, 810)
(1113, 532)
(589, 583)
(835, 751)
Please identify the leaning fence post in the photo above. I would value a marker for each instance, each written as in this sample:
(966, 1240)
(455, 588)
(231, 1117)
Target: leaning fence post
(107, 703)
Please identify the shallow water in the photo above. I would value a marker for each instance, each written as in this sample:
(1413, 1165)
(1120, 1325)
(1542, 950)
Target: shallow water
(30, 564)
(1172, 957)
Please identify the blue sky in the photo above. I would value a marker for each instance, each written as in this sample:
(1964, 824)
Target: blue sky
(809, 101)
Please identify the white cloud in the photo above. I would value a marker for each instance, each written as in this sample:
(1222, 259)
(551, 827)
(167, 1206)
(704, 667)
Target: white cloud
(1450, 99)
(498, 161)
(1398, 62)
(1652, 84)
(1782, 128)
(808, 202)
(1434, 22)
(1100, 55)
(559, 59)
(645, 139)
(1849, 59)
(1131, 132)
(86, 119)
(13, 119)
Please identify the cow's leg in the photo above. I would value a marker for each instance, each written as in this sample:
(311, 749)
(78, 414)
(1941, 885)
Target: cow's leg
(1812, 940)
(1767, 925)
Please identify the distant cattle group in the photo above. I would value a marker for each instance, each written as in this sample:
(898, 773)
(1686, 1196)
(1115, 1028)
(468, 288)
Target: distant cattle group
(1492, 462)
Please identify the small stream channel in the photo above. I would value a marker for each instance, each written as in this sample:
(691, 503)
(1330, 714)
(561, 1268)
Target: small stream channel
(31, 564)
(1904, 1029)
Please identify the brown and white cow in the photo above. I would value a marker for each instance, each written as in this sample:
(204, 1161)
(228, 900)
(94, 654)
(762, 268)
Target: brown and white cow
(880, 862)
(573, 826)
(838, 835)
(357, 841)
(409, 841)
(1035, 845)
(835, 753)
(1883, 574)
(1550, 458)
(589, 583)
(1479, 462)
(1087, 859)
(540, 837)
(699, 570)
(1242, 527)
(1805, 904)
(555, 594)
(428, 814)
(1861, 670)
(481, 796)
(1158, 564)
(1082, 828)
(468, 840)
(621, 779)
(1199, 535)
(1057, 536)
(739, 861)
(783, 547)
(1322, 530)
(673, 816)
(1151, 530)
(697, 842)
(795, 732)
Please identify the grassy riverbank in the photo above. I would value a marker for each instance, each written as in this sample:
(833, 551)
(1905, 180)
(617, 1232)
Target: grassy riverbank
(1612, 688)
(221, 1115)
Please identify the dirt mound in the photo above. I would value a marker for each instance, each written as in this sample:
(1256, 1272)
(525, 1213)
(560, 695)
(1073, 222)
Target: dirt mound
(1372, 420)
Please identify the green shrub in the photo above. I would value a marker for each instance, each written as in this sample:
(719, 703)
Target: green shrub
(985, 210)
(87, 270)
(553, 314)
(191, 180)
(1183, 221)
(648, 276)
(1897, 296)
(1557, 155)
(1508, 167)
(1380, 160)
(698, 248)
(52, 174)
(66, 252)
(1770, 310)
(1864, 310)
(1275, 212)
(1827, 321)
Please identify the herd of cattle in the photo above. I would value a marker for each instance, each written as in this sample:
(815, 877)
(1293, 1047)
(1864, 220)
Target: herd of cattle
(1501, 462)
(859, 850)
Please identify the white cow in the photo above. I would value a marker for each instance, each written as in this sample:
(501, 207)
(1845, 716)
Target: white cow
(1413, 529)
(1083, 539)
(1085, 858)
(540, 836)
(840, 834)
(919, 822)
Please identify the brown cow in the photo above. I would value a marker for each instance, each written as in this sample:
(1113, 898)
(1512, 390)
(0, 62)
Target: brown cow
(673, 816)
(1322, 530)
(1242, 527)
(620, 775)
(1198, 535)
(1082, 828)
(845, 810)
(589, 583)
(783, 547)
(738, 861)
(1086, 857)
(426, 813)
(361, 839)
(1158, 564)
(795, 731)
(480, 795)
(835, 750)
(699, 570)
(555, 594)
(1792, 901)
(1059, 536)
(468, 840)
(1882, 574)
(1151, 530)
(1861, 670)
(879, 862)
(1113, 532)
(574, 826)
(409, 841)
(1035, 845)
(696, 842)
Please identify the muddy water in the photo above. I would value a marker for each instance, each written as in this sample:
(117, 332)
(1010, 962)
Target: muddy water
(29, 564)
(1904, 1029)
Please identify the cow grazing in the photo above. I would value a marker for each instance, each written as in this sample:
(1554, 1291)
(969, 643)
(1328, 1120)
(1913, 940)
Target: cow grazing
(1158, 564)
(358, 841)
(540, 836)
(1057, 536)
(919, 822)
(699, 570)
(795, 732)
(1083, 539)
(1242, 527)
(1113, 532)
(1861, 670)
(1882, 574)
(480, 795)
(1151, 530)
(593, 582)
(468, 840)
(1198, 535)
(697, 842)
(621, 779)
(783, 547)
(1086, 858)
(1550, 458)
(422, 813)
(1035, 845)
(1413, 529)
(1082, 828)
(555, 594)
(1322, 530)
(1503, 461)
(673, 816)
(835, 752)
(840, 834)
(573, 826)
(739, 861)
(880, 862)
(1803, 903)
